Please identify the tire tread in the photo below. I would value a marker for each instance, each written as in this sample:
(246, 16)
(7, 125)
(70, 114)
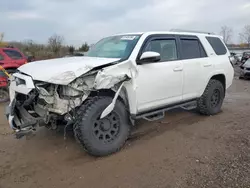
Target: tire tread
(201, 103)
(83, 114)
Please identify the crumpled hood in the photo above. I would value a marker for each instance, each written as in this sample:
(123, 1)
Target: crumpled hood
(62, 70)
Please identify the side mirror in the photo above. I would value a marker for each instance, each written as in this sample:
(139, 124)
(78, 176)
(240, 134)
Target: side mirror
(150, 57)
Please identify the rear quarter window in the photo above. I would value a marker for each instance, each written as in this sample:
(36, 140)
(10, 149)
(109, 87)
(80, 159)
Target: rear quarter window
(217, 45)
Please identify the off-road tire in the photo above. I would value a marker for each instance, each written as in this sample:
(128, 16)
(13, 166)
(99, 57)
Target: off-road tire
(204, 103)
(84, 129)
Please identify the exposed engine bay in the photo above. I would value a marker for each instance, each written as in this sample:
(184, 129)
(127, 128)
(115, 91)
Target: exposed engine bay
(47, 103)
(60, 98)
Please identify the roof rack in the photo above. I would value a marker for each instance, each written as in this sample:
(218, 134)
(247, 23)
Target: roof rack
(191, 31)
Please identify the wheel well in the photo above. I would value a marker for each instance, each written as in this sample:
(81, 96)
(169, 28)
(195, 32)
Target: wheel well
(111, 93)
(103, 92)
(221, 78)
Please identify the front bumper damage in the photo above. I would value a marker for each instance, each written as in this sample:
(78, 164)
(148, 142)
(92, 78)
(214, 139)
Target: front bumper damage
(21, 119)
(34, 104)
(24, 124)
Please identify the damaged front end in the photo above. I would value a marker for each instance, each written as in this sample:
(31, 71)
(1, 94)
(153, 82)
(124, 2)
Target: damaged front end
(38, 103)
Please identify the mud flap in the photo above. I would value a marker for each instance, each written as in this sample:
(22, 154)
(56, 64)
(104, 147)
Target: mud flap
(110, 107)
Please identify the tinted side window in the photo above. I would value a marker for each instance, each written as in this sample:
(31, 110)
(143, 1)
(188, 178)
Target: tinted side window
(202, 51)
(217, 45)
(191, 48)
(13, 54)
(165, 47)
(1, 57)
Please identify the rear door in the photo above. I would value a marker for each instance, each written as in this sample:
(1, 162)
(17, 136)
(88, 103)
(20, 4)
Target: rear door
(195, 65)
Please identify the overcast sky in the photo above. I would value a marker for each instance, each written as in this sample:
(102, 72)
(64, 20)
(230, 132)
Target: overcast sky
(89, 20)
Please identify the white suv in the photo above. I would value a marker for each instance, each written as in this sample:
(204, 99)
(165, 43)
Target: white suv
(122, 78)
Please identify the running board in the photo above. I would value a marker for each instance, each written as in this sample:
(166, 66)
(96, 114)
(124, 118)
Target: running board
(160, 114)
(192, 105)
(155, 117)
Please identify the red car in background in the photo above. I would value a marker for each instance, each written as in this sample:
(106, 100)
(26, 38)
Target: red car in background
(4, 91)
(11, 58)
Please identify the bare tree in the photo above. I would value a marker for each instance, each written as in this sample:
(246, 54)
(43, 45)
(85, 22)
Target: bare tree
(1, 37)
(226, 33)
(55, 43)
(245, 35)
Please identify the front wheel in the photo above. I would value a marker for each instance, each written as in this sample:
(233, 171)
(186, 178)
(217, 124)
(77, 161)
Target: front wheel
(101, 137)
(211, 101)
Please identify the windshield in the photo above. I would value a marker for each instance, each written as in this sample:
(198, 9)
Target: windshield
(114, 47)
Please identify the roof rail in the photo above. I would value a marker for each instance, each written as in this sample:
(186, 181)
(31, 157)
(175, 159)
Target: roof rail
(191, 31)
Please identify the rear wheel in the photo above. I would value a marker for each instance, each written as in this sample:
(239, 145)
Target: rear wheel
(101, 137)
(211, 101)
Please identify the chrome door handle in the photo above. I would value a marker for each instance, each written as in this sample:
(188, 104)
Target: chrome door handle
(207, 65)
(178, 69)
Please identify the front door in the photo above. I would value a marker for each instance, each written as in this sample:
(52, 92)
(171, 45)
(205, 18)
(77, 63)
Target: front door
(160, 83)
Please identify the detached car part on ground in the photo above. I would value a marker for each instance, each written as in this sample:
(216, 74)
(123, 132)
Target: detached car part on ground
(121, 79)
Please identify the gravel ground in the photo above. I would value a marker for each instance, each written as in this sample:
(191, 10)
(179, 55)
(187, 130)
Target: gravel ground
(183, 150)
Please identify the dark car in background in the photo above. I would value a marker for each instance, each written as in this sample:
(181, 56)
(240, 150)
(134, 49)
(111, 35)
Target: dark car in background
(76, 54)
(30, 58)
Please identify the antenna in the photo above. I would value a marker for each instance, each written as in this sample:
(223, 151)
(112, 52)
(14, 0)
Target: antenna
(191, 31)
